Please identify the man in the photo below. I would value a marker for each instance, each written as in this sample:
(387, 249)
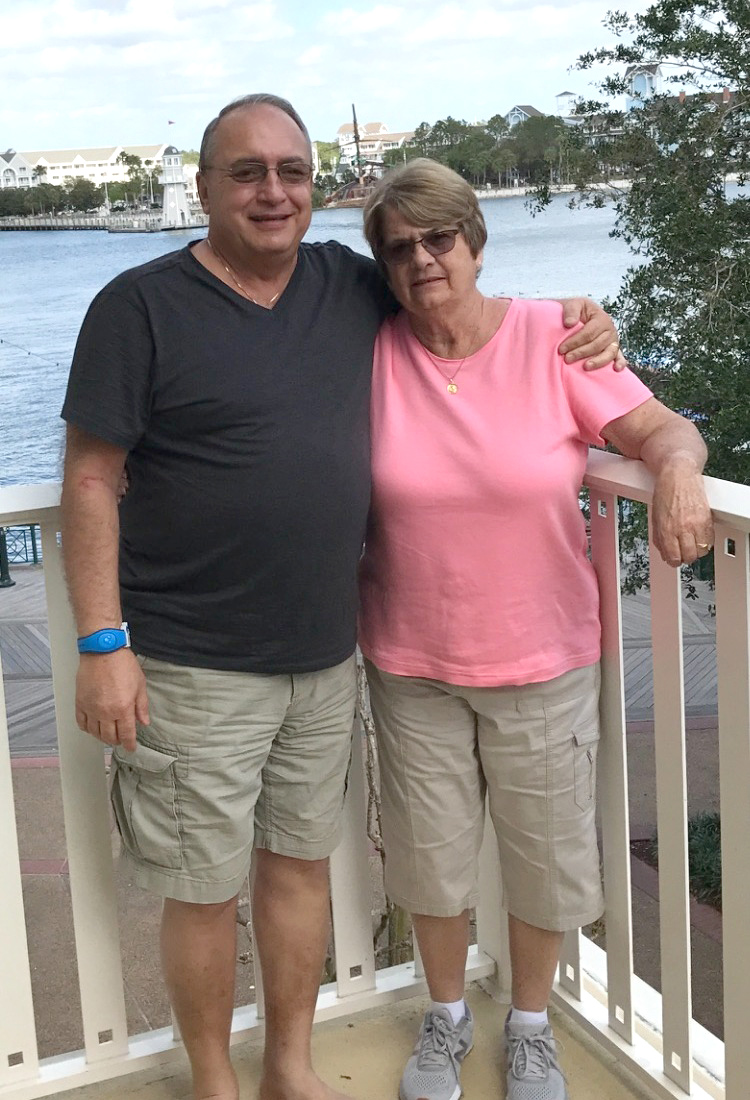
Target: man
(234, 377)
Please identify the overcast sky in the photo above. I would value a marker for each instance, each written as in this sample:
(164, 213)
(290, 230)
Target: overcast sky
(108, 72)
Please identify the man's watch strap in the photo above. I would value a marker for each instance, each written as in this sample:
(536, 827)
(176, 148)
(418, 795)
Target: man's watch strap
(105, 641)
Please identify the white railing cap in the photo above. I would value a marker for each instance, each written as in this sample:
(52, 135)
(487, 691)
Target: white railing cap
(626, 477)
(29, 503)
(610, 473)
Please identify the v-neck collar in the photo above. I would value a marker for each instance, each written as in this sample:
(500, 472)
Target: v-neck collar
(235, 294)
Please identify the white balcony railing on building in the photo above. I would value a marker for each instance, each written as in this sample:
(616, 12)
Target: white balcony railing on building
(652, 1034)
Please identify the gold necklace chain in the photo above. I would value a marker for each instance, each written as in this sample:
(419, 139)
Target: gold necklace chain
(234, 278)
(451, 378)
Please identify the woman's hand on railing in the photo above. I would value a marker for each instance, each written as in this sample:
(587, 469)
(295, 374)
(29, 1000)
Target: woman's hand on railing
(682, 523)
(111, 697)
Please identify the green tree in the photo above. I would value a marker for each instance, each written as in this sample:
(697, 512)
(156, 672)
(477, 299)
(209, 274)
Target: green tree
(82, 194)
(137, 177)
(498, 128)
(445, 135)
(12, 202)
(684, 305)
(504, 162)
(472, 156)
(45, 198)
(537, 143)
(394, 157)
(328, 154)
(421, 139)
(326, 184)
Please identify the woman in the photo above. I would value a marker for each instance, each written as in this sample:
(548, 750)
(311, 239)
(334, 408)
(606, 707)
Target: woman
(479, 610)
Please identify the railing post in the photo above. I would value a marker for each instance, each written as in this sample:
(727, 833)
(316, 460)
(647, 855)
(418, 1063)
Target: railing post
(613, 767)
(85, 807)
(18, 1046)
(5, 577)
(732, 560)
(351, 894)
(671, 816)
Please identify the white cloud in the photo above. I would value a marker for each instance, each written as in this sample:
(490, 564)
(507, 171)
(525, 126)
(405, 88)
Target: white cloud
(313, 56)
(456, 22)
(116, 70)
(348, 21)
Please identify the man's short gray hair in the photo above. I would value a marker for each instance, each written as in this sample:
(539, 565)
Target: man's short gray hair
(256, 99)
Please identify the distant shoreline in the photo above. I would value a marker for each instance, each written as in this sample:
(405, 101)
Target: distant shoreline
(499, 193)
(112, 223)
(524, 191)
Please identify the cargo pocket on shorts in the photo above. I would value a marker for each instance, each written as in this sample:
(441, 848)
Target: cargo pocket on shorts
(585, 745)
(144, 799)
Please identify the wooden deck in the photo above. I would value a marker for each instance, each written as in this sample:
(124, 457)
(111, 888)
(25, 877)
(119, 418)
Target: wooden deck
(24, 649)
(25, 654)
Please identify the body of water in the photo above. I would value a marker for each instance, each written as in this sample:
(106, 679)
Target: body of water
(49, 278)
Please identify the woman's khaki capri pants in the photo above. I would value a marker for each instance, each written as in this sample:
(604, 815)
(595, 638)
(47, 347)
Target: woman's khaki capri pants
(532, 749)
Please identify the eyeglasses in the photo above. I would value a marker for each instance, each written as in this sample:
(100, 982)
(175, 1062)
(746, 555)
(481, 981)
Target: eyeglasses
(289, 172)
(436, 243)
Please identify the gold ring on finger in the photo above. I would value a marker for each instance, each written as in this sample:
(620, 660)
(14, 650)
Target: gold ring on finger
(703, 545)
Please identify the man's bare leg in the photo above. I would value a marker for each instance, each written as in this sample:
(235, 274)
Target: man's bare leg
(291, 918)
(198, 948)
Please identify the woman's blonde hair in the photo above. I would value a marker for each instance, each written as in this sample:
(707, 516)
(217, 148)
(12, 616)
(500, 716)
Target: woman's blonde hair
(428, 196)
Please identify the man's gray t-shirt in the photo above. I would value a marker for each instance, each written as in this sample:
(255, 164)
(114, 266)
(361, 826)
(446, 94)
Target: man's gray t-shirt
(248, 438)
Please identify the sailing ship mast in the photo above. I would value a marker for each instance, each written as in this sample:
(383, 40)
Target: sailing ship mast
(356, 143)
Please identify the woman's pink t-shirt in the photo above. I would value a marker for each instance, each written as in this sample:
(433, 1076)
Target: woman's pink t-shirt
(475, 568)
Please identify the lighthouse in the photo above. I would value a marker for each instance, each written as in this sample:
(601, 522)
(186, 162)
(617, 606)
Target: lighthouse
(175, 211)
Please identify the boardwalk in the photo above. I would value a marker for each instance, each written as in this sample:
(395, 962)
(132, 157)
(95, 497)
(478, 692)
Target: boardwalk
(24, 649)
(138, 222)
(699, 655)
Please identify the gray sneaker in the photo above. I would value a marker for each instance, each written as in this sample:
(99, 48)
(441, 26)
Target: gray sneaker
(533, 1069)
(432, 1071)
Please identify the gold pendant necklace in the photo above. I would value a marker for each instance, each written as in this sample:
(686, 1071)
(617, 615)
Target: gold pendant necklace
(234, 278)
(451, 378)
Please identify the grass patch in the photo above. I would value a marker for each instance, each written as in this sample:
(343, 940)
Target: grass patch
(704, 857)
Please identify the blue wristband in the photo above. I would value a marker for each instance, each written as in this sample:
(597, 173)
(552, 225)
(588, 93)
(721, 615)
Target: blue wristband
(105, 641)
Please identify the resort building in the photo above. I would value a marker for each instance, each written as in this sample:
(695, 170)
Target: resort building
(15, 170)
(522, 112)
(100, 165)
(645, 81)
(374, 140)
(565, 104)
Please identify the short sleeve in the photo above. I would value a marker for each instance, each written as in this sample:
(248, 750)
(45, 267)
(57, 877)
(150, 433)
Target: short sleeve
(109, 388)
(600, 396)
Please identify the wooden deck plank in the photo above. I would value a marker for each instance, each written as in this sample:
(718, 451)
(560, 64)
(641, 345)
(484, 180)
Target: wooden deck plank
(22, 652)
(31, 717)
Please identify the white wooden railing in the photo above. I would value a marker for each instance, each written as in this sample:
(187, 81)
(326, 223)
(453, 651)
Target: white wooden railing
(652, 1034)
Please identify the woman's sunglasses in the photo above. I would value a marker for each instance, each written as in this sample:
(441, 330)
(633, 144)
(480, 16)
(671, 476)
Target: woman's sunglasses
(436, 243)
